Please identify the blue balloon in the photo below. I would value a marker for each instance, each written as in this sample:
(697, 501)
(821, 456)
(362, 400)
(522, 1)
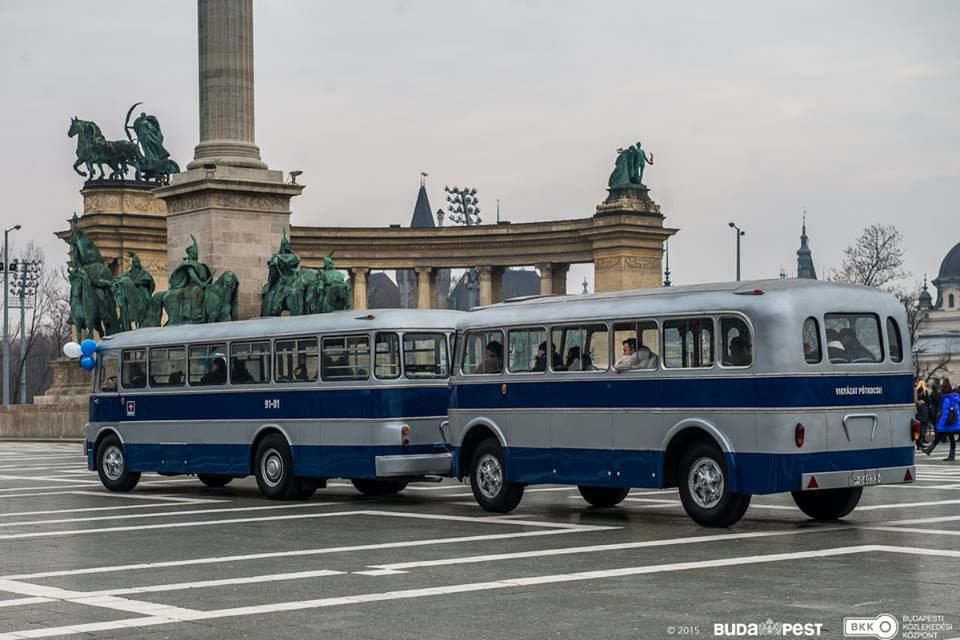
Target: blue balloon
(87, 363)
(88, 347)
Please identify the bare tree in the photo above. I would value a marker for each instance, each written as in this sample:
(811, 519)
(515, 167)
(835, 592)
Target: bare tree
(874, 260)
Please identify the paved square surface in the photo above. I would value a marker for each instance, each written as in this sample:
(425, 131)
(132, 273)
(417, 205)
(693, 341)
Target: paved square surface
(173, 559)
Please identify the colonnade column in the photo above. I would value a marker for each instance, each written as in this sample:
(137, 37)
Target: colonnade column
(546, 278)
(358, 280)
(559, 276)
(496, 284)
(486, 285)
(425, 285)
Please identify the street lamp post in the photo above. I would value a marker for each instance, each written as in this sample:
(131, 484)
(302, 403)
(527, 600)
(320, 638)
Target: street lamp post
(740, 232)
(6, 326)
(465, 210)
(24, 289)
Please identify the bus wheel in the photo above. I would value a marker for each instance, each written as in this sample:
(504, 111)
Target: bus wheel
(308, 487)
(112, 466)
(603, 497)
(214, 480)
(828, 504)
(488, 479)
(274, 469)
(705, 487)
(369, 487)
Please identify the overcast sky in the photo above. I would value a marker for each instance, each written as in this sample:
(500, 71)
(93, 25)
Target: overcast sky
(754, 110)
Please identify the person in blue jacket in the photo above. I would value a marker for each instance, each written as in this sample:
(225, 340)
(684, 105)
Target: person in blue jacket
(948, 420)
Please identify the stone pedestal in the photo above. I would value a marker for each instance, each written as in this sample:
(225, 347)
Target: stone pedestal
(628, 261)
(71, 384)
(238, 216)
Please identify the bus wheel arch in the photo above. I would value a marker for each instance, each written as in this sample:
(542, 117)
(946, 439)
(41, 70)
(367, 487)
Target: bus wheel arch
(258, 437)
(101, 435)
(476, 432)
(111, 463)
(683, 435)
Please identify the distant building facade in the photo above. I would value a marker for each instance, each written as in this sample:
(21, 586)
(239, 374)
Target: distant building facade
(937, 347)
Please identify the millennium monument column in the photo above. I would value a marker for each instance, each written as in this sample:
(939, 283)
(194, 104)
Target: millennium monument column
(235, 206)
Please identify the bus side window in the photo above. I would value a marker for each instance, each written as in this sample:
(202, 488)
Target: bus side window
(425, 355)
(688, 343)
(636, 346)
(296, 360)
(168, 366)
(134, 369)
(736, 345)
(812, 352)
(250, 363)
(853, 338)
(346, 358)
(386, 358)
(527, 349)
(894, 343)
(208, 364)
(582, 348)
(109, 366)
(483, 352)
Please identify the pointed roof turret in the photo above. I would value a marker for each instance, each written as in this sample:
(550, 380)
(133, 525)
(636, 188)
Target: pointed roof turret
(422, 216)
(805, 268)
(925, 300)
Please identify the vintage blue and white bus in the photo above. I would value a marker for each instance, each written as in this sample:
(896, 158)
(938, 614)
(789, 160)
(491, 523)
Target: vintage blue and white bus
(291, 400)
(722, 390)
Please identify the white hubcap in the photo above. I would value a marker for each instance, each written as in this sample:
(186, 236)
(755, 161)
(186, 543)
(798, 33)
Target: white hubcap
(489, 476)
(705, 482)
(113, 462)
(271, 467)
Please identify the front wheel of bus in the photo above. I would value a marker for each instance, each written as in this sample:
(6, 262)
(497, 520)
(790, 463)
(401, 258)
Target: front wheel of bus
(705, 487)
(488, 479)
(828, 504)
(603, 497)
(112, 466)
(274, 469)
(375, 487)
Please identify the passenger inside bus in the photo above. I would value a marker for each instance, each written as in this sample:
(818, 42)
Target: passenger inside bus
(739, 353)
(493, 358)
(575, 362)
(136, 379)
(835, 348)
(630, 359)
(240, 372)
(854, 350)
(300, 373)
(540, 364)
(216, 375)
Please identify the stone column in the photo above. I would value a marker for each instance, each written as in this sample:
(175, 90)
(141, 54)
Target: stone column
(546, 278)
(226, 85)
(425, 281)
(358, 281)
(486, 285)
(560, 279)
(497, 284)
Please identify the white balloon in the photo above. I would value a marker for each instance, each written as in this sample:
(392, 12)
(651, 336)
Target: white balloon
(72, 350)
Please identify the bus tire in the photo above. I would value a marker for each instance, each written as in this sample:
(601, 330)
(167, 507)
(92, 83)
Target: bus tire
(828, 504)
(488, 479)
(603, 497)
(214, 480)
(705, 487)
(274, 469)
(377, 487)
(112, 466)
(308, 487)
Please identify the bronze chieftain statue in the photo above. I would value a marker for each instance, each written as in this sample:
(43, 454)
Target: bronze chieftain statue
(194, 297)
(133, 291)
(628, 170)
(93, 308)
(301, 291)
(146, 155)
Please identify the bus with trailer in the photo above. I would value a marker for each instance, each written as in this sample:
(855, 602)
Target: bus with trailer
(291, 400)
(722, 390)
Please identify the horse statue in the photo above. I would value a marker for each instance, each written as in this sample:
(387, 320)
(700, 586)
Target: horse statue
(92, 309)
(93, 150)
(220, 298)
(337, 296)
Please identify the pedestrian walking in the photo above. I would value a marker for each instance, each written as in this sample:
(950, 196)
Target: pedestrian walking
(948, 420)
(923, 417)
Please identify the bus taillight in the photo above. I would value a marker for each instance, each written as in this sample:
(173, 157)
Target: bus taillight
(915, 429)
(798, 434)
(404, 432)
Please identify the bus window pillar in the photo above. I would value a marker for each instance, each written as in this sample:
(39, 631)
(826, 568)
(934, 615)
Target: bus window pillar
(486, 285)
(426, 280)
(358, 280)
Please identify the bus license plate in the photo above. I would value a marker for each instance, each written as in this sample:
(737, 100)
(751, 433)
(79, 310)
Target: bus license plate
(863, 478)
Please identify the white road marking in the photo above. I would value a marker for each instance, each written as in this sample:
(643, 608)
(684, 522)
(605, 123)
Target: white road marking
(205, 584)
(161, 505)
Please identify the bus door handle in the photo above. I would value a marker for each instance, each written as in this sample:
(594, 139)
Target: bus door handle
(443, 432)
(854, 416)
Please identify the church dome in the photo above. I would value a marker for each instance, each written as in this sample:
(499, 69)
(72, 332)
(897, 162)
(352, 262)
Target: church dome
(950, 267)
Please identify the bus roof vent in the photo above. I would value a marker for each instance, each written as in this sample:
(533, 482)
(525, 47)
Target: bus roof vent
(749, 292)
(369, 316)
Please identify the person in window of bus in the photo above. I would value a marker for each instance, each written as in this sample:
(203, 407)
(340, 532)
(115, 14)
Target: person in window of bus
(739, 352)
(948, 422)
(835, 348)
(540, 363)
(216, 375)
(240, 372)
(573, 360)
(300, 373)
(854, 350)
(492, 358)
(136, 378)
(630, 359)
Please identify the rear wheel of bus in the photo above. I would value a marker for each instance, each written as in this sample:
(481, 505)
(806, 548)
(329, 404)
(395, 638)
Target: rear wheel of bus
(488, 480)
(377, 487)
(705, 487)
(273, 467)
(112, 466)
(828, 504)
(603, 497)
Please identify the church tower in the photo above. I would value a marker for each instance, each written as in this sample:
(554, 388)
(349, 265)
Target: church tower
(805, 268)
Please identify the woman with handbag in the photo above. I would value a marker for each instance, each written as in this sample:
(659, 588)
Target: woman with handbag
(948, 422)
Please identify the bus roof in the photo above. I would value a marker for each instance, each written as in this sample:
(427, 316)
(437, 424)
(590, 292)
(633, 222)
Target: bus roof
(338, 321)
(683, 299)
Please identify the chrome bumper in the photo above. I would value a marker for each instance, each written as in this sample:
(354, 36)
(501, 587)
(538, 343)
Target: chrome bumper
(853, 477)
(425, 464)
